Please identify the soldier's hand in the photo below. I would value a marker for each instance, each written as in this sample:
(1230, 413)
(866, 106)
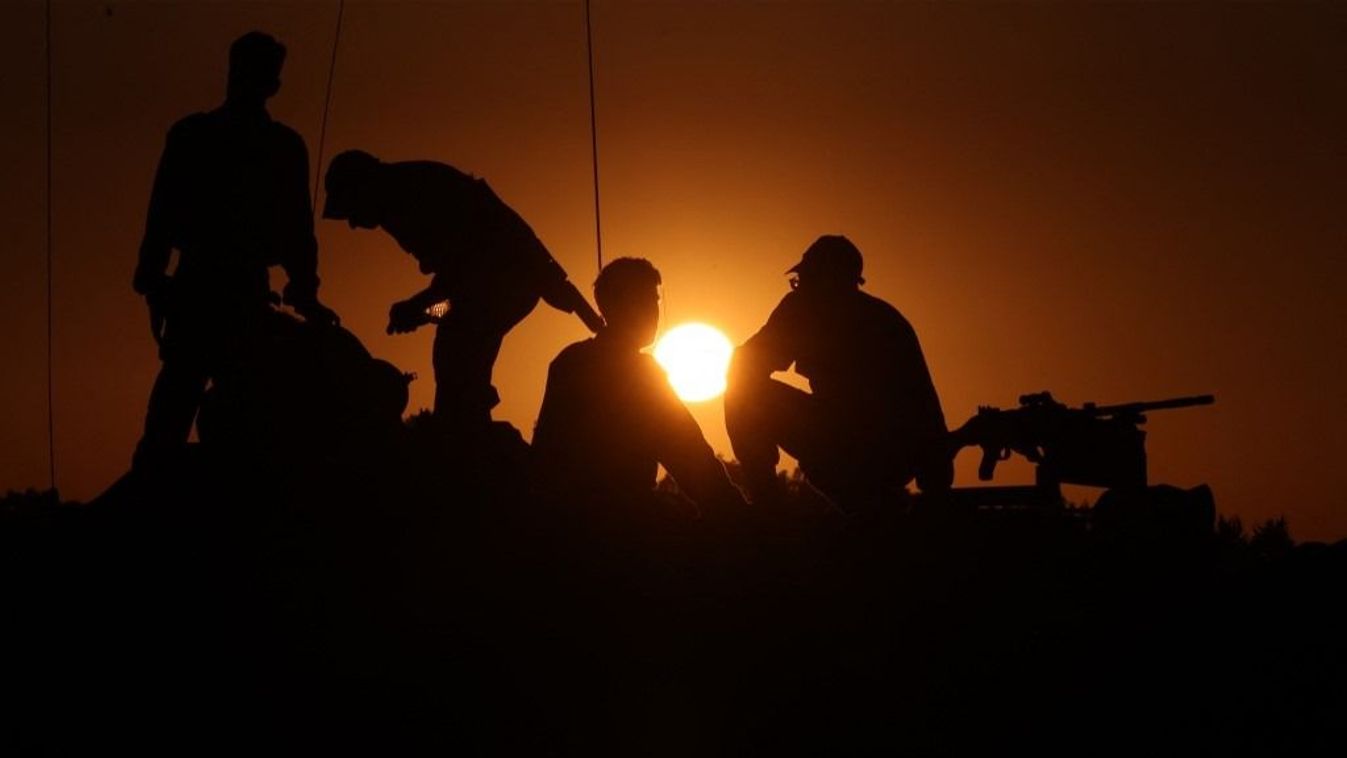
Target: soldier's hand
(156, 302)
(937, 475)
(406, 316)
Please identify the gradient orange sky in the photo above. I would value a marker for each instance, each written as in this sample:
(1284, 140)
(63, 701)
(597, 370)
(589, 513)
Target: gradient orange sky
(1113, 202)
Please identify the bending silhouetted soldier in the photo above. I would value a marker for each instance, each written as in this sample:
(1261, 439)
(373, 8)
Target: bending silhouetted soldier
(872, 421)
(609, 416)
(485, 261)
(231, 195)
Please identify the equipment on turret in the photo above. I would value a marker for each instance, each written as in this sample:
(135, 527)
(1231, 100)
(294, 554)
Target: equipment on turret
(1094, 445)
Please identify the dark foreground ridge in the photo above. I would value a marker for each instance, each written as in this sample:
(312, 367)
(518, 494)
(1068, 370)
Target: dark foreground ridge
(361, 584)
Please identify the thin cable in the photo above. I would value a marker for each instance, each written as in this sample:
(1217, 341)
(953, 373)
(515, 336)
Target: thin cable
(593, 135)
(327, 103)
(51, 352)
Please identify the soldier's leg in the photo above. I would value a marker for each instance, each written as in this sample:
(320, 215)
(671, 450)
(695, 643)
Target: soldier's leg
(863, 468)
(466, 345)
(763, 418)
(174, 401)
(851, 464)
(462, 357)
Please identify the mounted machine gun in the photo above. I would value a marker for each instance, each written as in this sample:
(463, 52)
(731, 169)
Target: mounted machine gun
(1094, 445)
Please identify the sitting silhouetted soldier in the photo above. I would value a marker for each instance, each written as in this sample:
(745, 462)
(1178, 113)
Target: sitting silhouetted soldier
(872, 421)
(485, 261)
(609, 416)
(231, 195)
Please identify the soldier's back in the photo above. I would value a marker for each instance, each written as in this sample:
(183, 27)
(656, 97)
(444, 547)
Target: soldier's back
(853, 349)
(454, 224)
(598, 428)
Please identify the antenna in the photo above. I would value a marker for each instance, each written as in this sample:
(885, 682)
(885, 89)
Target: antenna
(327, 104)
(593, 134)
(51, 352)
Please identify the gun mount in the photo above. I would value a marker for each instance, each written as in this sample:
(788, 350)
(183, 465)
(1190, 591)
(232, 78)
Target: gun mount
(1094, 445)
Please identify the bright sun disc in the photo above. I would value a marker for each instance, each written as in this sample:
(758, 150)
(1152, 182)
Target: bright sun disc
(696, 357)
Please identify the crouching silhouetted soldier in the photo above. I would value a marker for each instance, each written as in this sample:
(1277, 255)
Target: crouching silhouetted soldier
(872, 421)
(231, 195)
(609, 416)
(485, 260)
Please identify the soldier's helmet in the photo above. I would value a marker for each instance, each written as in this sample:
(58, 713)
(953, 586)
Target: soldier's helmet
(831, 257)
(346, 175)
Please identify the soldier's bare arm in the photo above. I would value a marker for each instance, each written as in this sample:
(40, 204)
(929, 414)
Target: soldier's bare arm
(564, 296)
(684, 452)
(299, 246)
(771, 349)
(411, 314)
(156, 246)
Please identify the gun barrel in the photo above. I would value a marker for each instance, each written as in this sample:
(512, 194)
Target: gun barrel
(1153, 405)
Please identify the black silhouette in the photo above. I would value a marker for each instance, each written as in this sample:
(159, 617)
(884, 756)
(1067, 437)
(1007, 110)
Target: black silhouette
(486, 262)
(1094, 446)
(231, 196)
(609, 416)
(305, 394)
(873, 420)
(344, 581)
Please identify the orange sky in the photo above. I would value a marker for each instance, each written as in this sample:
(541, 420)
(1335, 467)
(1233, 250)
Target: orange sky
(1113, 202)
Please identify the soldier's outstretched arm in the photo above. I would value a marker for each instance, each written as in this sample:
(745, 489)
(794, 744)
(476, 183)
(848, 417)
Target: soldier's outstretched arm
(771, 349)
(299, 246)
(684, 452)
(703, 477)
(564, 296)
(411, 314)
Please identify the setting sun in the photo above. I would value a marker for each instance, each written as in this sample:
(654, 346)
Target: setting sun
(696, 357)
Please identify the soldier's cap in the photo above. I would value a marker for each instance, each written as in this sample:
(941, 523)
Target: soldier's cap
(831, 256)
(346, 171)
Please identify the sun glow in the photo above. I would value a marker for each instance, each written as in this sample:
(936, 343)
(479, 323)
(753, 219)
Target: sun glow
(696, 357)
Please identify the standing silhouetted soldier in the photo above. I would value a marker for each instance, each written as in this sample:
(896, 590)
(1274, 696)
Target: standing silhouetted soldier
(872, 421)
(231, 195)
(484, 259)
(609, 416)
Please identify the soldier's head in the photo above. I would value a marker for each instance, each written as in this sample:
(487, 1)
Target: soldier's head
(351, 192)
(627, 292)
(255, 61)
(831, 264)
